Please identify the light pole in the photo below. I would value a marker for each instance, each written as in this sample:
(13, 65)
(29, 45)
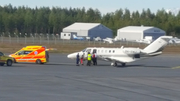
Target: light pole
(20, 35)
(40, 38)
(25, 35)
(47, 35)
(53, 36)
(57, 36)
(2, 37)
(17, 38)
(32, 37)
(9, 38)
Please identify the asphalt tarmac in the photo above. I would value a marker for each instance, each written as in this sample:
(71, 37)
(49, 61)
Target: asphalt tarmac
(152, 79)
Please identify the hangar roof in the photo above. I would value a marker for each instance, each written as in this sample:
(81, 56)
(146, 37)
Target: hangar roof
(137, 28)
(82, 26)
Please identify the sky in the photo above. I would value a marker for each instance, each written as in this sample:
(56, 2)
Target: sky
(104, 6)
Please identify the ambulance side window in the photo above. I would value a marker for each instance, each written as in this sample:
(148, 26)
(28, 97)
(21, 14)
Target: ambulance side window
(27, 52)
(20, 53)
(1, 54)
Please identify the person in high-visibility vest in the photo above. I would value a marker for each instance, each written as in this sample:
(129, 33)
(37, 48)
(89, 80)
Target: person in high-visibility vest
(89, 58)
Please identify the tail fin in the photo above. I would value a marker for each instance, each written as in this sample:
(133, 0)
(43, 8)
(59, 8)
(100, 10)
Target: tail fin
(158, 45)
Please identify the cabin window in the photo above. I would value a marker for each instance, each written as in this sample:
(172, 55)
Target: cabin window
(64, 34)
(113, 51)
(98, 51)
(94, 50)
(69, 34)
(109, 51)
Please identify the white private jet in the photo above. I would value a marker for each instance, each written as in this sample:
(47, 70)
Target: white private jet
(146, 40)
(125, 55)
(97, 39)
(174, 40)
(143, 41)
(110, 40)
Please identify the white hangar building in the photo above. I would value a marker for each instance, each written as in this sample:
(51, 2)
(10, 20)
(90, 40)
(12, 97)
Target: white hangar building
(139, 32)
(91, 30)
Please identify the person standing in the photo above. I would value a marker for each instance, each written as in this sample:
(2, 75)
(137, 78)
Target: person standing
(77, 59)
(95, 59)
(89, 59)
(82, 59)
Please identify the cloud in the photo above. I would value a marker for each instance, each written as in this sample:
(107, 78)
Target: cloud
(174, 11)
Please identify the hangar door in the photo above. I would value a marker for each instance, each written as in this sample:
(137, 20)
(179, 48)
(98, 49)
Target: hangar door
(130, 35)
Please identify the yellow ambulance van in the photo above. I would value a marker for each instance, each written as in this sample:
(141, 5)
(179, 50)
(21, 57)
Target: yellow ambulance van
(31, 54)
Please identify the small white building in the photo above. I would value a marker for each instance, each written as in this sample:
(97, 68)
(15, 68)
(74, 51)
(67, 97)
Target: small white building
(91, 30)
(139, 32)
(67, 35)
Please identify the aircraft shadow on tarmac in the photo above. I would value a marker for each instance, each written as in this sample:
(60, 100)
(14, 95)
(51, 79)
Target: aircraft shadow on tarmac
(99, 65)
(146, 66)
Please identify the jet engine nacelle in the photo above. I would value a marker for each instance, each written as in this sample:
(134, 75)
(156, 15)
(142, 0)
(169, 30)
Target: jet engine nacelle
(132, 51)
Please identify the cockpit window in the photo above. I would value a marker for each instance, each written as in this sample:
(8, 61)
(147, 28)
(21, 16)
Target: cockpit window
(24, 52)
(83, 50)
(88, 50)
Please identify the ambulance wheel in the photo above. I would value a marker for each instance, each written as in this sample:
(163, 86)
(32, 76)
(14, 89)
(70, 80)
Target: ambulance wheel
(9, 62)
(38, 61)
(2, 64)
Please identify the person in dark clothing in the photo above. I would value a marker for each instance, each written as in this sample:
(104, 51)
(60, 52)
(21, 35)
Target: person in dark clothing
(95, 59)
(77, 59)
(47, 56)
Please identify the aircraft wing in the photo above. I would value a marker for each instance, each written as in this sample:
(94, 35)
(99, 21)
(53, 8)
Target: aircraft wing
(118, 59)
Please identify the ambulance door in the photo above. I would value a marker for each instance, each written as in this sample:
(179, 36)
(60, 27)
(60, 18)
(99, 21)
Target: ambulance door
(19, 56)
(26, 56)
(1, 57)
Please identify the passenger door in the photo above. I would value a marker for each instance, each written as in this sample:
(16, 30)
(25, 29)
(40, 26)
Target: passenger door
(20, 56)
(86, 53)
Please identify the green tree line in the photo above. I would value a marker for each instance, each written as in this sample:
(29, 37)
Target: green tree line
(52, 20)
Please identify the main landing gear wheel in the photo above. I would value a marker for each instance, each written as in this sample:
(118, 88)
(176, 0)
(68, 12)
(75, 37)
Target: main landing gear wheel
(115, 64)
(123, 64)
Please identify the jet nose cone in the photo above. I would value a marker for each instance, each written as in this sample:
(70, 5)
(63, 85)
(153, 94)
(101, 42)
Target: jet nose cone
(72, 56)
(69, 56)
